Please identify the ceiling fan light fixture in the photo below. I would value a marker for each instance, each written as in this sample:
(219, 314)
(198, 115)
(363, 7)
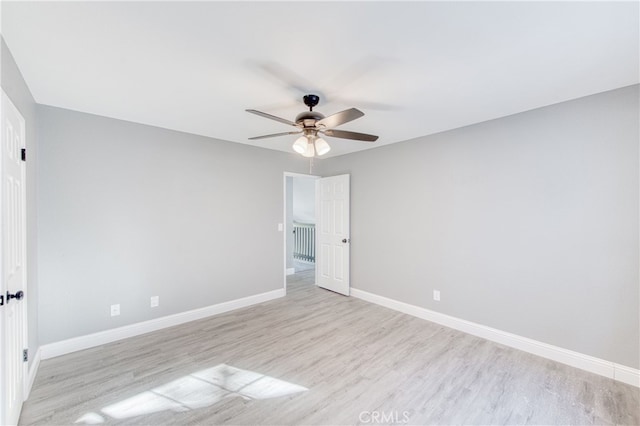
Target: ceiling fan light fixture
(300, 145)
(311, 123)
(322, 147)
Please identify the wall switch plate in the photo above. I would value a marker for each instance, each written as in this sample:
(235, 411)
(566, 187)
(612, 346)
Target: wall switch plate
(436, 295)
(155, 301)
(115, 310)
(280, 227)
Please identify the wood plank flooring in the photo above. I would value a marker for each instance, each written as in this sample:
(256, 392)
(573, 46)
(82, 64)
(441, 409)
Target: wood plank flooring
(315, 357)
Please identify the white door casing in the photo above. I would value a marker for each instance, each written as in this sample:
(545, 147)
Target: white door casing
(13, 314)
(332, 233)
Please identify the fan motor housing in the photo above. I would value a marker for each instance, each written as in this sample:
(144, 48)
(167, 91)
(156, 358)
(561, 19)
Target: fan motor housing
(308, 118)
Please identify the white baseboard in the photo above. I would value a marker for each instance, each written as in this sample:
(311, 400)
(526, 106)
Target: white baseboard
(627, 375)
(575, 359)
(291, 271)
(63, 347)
(33, 370)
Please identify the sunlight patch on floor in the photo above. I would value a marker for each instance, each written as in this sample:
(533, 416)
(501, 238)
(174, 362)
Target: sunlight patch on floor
(197, 390)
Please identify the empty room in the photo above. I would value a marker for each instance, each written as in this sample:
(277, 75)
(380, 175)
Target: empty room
(320, 213)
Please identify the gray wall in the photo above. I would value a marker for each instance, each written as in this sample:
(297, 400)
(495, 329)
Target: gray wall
(128, 211)
(527, 224)
(16, 89)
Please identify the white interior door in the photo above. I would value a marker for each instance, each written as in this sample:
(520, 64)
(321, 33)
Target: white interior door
(13, 326)
(332, 229)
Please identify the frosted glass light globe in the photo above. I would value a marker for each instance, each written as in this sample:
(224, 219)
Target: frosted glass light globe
(310, 151)
(322, 147)
(300, 145)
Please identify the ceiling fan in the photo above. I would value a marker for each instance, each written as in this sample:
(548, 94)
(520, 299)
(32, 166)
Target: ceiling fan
(311, 123)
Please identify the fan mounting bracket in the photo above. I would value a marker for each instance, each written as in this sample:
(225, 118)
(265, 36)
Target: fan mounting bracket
(311, 101)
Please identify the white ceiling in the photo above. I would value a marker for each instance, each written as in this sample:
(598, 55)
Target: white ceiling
(414, 68)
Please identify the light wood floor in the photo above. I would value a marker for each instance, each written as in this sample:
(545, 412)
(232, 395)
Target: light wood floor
(316, 357)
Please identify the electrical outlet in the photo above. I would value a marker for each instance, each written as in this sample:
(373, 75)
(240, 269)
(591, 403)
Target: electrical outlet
(115, 310)
(280, 227)
(436, 295)
(155, 301)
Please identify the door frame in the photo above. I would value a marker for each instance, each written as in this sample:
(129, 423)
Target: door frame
(286, 218)
(22, 232)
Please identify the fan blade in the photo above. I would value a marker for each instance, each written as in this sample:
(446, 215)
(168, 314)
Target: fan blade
(339, 118)
(350, 135)
(274, 135)
(272, 117)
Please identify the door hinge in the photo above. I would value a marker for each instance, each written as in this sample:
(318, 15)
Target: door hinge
(23, 154)
(25, 355)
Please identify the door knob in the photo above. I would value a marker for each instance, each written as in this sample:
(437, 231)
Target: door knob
(18, 296)
(344, 240)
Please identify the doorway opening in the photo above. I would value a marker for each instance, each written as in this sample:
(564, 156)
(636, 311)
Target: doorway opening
(299, 228)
